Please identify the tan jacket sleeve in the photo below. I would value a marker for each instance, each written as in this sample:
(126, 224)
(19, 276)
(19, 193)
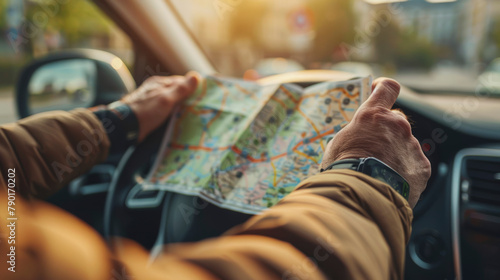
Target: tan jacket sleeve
(336, 225)
(50, 149)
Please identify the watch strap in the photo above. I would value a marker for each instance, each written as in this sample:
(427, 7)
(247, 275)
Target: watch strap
(402, 187)
(352, 163)
(120, 123)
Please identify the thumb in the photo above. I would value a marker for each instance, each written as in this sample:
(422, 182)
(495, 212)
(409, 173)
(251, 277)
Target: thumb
(384, 94)
(191, 80)
(184, 89)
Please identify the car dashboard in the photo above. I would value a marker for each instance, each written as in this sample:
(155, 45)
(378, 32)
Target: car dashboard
(456, 226)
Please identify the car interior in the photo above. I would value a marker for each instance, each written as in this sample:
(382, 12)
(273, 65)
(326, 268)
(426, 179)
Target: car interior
(452, 102)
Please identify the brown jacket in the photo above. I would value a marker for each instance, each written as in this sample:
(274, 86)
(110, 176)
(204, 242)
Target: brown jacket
(336, 225)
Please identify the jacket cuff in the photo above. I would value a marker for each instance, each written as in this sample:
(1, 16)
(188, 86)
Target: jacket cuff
(366, 191)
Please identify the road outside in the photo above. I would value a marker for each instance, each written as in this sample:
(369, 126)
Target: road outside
(8, 111)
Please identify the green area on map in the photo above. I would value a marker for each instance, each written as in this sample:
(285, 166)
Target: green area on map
(244, 146)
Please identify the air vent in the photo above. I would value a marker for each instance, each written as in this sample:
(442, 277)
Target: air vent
(484, 179)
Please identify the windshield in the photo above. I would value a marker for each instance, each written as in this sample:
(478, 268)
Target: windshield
(429, 45)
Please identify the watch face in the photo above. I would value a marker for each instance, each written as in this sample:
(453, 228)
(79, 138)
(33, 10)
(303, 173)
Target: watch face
(384, 173)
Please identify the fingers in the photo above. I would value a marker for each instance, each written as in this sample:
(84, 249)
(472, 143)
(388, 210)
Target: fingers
(168, 81)
(384, 94)
(165, 81)
(192, 79)
(188, 85)
(182, 88)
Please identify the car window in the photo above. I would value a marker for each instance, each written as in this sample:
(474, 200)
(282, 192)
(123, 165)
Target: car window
(33, 28)
(430, 45)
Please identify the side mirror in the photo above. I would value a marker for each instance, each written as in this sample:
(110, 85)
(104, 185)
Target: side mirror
(72, 79)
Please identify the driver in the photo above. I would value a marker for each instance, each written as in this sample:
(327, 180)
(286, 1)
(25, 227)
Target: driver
(338, 224)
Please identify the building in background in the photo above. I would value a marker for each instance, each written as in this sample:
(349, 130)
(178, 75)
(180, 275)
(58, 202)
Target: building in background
(455, 28)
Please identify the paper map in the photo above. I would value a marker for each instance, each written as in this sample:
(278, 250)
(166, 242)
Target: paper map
(244, 146)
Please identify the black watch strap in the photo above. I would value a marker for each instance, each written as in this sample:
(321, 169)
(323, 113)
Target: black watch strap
(351, 163)
(120, 123)
(376, 169)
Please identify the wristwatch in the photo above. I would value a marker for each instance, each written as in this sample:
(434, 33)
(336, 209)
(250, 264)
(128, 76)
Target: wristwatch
(374, 168)
(120, 123)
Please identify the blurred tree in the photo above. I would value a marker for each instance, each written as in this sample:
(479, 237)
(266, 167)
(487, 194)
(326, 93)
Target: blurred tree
(414, 52)
(403, 48)
(496, 32)
(3, 11)
(334, 22)
(386, 42)
(75, 23)
(76, 20)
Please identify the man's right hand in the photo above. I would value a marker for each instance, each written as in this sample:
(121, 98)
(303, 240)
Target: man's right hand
(377, 131)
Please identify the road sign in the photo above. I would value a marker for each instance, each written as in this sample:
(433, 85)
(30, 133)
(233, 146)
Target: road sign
(302, 20)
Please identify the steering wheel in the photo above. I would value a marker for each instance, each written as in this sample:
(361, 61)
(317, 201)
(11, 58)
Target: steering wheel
(159, 217)
(163, 217)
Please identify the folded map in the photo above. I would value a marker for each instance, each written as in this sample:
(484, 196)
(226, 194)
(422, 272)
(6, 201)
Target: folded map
(245, 146)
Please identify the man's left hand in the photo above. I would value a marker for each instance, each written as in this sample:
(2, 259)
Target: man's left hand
(156, 98)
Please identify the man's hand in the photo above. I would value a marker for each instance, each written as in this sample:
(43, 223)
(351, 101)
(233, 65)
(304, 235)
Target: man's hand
(156, 98)
(376, 131)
